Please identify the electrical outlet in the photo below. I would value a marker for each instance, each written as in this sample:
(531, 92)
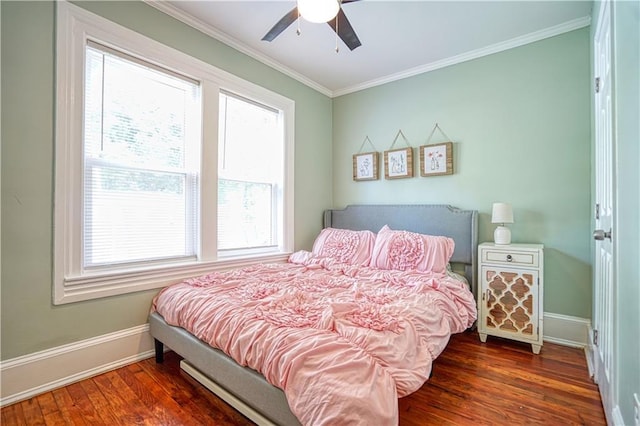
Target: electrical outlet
(636, 409)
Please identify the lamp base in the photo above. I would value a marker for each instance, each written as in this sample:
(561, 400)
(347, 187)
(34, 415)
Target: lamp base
(502, 235)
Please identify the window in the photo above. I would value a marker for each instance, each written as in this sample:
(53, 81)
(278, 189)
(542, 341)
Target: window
(141, 161)
(249, 175)
(166, 167)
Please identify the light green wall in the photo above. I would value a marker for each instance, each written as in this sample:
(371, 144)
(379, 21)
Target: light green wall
(520, 122)
(30, 322)
(626, 130)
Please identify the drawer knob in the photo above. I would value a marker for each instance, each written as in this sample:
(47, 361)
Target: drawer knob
(509, 258)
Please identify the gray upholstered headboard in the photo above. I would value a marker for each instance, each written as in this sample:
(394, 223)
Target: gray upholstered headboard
(431, 219)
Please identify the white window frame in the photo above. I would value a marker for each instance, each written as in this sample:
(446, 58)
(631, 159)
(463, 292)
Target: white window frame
(71, 282)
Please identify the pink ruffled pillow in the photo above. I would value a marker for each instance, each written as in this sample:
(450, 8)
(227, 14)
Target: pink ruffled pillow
(403, 250)
(345, 246)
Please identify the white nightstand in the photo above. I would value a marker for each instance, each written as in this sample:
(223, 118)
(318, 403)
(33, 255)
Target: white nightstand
(511, 292)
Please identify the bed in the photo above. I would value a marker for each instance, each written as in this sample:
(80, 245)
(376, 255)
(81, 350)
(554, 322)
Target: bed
(314, 401)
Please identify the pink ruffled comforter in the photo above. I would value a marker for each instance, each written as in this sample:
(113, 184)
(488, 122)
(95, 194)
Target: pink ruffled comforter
(343, 342)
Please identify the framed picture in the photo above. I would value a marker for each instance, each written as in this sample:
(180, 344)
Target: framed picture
(398, 163)
(365, 166)
(436, 159)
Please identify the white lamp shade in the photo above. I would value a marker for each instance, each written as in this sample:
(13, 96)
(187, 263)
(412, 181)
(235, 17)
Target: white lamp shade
(318, 11)
(502, 213)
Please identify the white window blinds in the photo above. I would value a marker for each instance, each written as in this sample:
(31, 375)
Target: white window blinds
(250, 174)
(141, 161)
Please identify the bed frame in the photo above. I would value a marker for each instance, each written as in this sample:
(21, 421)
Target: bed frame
(248, 391)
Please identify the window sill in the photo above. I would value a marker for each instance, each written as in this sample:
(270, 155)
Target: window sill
(76, 289)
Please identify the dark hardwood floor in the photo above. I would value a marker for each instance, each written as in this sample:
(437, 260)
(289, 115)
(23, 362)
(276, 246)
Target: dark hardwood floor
(496, 383)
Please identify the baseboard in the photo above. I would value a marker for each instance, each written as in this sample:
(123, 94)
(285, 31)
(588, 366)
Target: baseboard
(566, 330)
(618, 420)
(33, 374)
(590, 351)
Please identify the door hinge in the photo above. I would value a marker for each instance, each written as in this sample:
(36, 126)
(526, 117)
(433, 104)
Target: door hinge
(597, 84)
(597, 211)
(595, 337)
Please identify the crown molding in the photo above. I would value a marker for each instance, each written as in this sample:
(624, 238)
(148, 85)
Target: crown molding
(235, 44)
(474, 54)
(467, 56)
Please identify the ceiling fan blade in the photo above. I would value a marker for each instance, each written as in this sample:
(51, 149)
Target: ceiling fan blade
(281, 25)
(345, 30)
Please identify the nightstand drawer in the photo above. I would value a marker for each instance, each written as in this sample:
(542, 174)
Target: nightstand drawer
(508, 257)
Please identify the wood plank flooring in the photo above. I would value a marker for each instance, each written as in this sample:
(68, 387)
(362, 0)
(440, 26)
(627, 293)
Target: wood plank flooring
(496, 383)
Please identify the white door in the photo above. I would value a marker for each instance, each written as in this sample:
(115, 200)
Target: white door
(604, 271)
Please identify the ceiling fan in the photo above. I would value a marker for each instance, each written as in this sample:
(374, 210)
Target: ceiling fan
(336, 19)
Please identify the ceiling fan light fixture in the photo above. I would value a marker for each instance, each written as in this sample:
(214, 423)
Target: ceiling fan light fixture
(318, 11)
